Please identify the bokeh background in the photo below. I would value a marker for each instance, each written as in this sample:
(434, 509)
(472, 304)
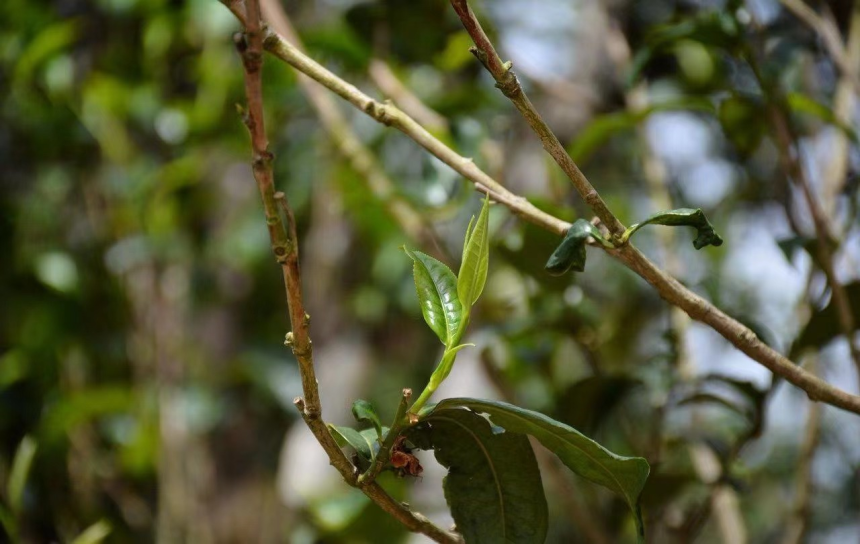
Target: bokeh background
(145, 394)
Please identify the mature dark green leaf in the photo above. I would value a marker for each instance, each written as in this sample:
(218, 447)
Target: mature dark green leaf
(824, 326)
(363, 412)
(476, 258)
(493, 484)
(570, 253)
(437, 293)
(624, 475)
(683, 217)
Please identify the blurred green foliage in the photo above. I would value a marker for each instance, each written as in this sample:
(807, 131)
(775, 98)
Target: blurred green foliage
(145, 394)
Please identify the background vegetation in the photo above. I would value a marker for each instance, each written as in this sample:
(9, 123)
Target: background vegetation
(144, 390)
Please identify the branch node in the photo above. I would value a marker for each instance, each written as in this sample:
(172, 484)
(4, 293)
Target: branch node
(379, 113)
(281, 253)
(288, 339)
(509, 84)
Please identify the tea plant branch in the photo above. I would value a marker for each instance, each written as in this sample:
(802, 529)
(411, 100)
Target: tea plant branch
(506, 81)
(741, 336)
(282, 233)
(393, 88)
(390, 115)
(669, 288)
(346, 141)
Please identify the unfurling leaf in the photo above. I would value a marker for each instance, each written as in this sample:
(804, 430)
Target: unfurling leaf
(437, 294)
(623, 475)
(476, 257)
(363, 412)
(682, 217)
(570, 253)
(493, 486)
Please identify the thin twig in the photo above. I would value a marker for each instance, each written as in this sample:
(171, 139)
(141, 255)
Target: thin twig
(844, 100)
(391, 115)
(346, 141)
(506, 81)
(798, 525)
(393, 88)
(723, 499)
(829, 34)
(741, 336)
(790, 160)
(669, 288)
(282, 233)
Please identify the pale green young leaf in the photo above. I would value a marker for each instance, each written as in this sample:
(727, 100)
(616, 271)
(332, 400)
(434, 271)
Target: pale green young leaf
(476, 257)
(436, 286)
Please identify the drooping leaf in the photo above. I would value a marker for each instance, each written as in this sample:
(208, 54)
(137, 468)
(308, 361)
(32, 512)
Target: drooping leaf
(623, 475)
(682, 217)
(21, 465)
(493, 486)
(824, 326)
(363, 412)
(570, 253)
(437, 293)
(476, 258)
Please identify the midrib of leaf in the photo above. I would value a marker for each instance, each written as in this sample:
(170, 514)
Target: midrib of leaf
(595, 461)
(489, 461)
